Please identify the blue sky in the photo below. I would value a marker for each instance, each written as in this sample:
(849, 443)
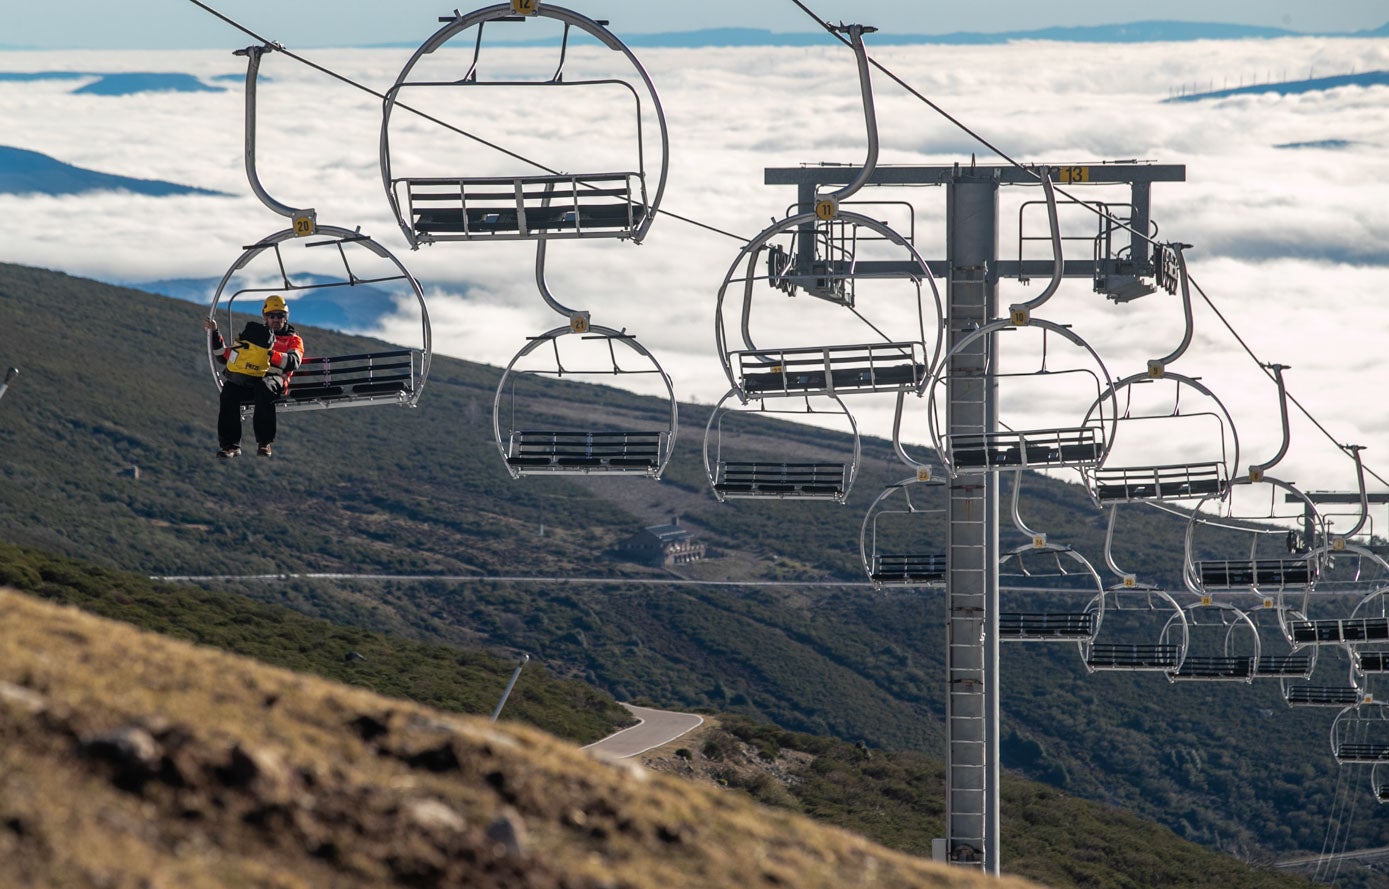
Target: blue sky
(175, 24)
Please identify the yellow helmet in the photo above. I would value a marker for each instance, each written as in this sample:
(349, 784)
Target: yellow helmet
(274, 303)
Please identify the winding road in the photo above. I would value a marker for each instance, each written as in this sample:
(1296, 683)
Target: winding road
(656, 727)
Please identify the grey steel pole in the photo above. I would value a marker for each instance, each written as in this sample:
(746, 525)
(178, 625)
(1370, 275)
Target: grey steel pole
(972, 716)
(525, 658)
(9, 375)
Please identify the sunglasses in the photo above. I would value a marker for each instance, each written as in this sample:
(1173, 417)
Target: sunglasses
(276, 315)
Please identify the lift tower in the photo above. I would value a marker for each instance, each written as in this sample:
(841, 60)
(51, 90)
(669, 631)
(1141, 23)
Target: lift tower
(1123, 267)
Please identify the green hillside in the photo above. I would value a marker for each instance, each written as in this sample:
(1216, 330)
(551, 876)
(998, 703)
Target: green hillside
(115, 379)
(893, 797)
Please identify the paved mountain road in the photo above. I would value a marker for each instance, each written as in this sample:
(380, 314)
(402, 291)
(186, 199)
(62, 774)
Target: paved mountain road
(657, 727)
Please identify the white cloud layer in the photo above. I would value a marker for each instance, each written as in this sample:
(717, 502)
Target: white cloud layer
(1291, 245)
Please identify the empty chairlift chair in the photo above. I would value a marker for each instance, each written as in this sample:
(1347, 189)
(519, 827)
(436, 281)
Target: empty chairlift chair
(897, 525)
(340, 279)
(1278, 659)
(1360, 734)
(1379, 782)
(1077, 376)
(1261, 560)
(1332, 681)
(1144, 630)
(589, 175)
(1049, 593)
(1223, 645)
(755, 452)
(872, 330)
(544, 428)
(1174, 441)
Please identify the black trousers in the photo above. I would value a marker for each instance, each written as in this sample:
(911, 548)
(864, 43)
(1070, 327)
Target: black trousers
(233, 397)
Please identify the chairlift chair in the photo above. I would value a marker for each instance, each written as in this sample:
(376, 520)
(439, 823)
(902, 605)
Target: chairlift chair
(1187, 448)
(739, 469)
(1360, 734)
(897, 520)
(1379, 782)
(1144, 630)
(344, 278)
(1054, 575)
(589, 439)
(1082, 444)
(1223, 644)
(455, 186)
(1259, 561)
(887, 341)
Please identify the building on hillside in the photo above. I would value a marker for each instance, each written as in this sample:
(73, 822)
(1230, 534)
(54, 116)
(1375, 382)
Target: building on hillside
(668, 544)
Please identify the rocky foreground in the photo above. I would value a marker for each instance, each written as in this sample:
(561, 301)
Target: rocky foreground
(129, 759)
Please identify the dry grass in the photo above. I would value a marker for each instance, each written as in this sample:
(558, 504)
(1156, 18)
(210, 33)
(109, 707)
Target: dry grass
(133, 760)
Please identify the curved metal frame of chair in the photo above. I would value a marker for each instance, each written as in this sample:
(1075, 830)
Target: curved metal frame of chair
(775, 479)
(899, 569)
(1078, 447)
(1236, 660)
(1168, 481)
(1252, 575)
(839, 368)
(1360, 734)
(1165, 655)
(1316, 689)
(1295, 668)
(1051, 626)
(646, 210)
(583, 452)
(391, 377)
(1379, 782)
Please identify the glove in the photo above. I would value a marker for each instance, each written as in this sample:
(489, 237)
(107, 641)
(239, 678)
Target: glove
(274, 380)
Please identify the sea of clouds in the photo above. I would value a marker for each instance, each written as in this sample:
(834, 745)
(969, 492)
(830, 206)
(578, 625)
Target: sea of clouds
(1291, 244)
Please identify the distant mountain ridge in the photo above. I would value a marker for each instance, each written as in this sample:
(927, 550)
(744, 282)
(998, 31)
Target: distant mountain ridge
(1293, 87)
(1132, 32)
(123, 83)
(29, 172)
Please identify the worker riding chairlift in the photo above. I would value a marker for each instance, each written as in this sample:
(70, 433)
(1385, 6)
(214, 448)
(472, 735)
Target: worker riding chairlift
(974, 362)
(870, 329)
(332, 277)
(445, 183)
(739, 468)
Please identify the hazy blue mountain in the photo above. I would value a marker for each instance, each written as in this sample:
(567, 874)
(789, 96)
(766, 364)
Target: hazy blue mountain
(1319, 143)
(29, 172)
(45, 75)
(1293, 87)
(1132, 32)
(121, 84)
(146, 82)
